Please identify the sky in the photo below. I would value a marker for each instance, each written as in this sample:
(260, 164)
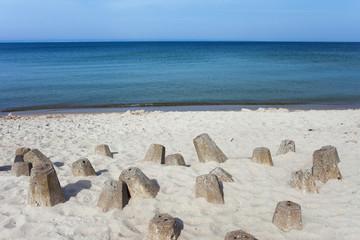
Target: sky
(171, 20)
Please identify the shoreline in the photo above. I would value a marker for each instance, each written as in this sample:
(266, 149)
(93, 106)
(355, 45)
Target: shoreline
(171, 107)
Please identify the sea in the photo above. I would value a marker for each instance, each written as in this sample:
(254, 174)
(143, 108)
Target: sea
(83, 76)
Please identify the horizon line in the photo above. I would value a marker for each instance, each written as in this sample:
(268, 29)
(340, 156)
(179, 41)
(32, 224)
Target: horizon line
(129, 41)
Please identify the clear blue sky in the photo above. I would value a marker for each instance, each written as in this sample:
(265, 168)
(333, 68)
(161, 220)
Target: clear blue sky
(255, 20)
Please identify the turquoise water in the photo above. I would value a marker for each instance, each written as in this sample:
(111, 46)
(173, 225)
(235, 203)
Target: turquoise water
(112, 74)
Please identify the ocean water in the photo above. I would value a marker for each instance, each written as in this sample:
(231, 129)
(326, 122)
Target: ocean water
(113, 74)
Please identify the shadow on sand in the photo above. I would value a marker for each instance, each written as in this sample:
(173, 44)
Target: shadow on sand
(98, 173)
(5, 168)
(58, 164)
(72, 189)
(180, 223)
(156, 183)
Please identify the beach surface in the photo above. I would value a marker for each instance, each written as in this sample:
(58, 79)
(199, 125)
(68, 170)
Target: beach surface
(250, 200)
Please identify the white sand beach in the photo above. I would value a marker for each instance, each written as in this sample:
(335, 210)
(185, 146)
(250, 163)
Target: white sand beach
(250, 200)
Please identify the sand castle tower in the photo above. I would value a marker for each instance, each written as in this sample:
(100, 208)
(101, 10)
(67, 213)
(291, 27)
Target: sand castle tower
(303, 181)
(45, 189)
(82, 167)
(262, 155)
(287, 216)
(163, 227)
(175, 160)
(114, 195)
(103, 150)
(208, 187)
(22, 151)
(21, 168)
(239, 235)
(207, 150)
(332, 152)
(325, 166)
(35, 157)
(286, 146)
(222, 175)
(156, 154)
(138, 183)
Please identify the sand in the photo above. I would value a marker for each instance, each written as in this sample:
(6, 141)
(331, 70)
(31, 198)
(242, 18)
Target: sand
(250, 200)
